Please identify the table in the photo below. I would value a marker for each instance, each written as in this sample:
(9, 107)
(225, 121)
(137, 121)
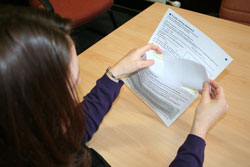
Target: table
(132, 134)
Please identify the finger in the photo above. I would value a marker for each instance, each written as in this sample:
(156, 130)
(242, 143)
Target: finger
(156, 48)
(219, 92)
(213, 89)
(145, 48)
(145, 63)
(148, 47)
(200, 91)
(214, 83)
(205, 92)
(213, 92)
(212, 95)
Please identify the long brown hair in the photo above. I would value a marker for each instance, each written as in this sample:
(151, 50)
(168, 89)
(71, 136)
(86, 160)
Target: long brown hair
(36, 98)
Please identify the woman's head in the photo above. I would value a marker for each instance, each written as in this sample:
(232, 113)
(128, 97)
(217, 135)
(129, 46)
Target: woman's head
(41, 122)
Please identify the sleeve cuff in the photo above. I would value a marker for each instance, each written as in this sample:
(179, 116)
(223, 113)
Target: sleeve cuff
(194, 141)
(109, 84)
(191, 153)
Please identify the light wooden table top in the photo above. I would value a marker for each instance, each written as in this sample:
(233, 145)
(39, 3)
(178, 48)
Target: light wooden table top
(132, 134)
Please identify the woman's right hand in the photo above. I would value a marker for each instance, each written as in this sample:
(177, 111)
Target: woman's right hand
(211, 107)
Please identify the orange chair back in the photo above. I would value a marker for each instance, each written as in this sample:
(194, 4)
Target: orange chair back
(79, 11)
(236, 10)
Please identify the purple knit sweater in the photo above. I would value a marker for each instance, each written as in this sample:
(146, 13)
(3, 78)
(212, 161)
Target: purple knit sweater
(98, 102)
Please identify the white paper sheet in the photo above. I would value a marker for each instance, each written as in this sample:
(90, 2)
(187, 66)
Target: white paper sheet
(189, 58)
(178, 38)
(181, 72)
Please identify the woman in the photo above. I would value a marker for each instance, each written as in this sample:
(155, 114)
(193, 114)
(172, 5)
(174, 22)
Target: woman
(42, 122)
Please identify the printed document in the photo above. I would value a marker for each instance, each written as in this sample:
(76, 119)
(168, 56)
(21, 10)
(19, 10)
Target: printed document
(189, 58)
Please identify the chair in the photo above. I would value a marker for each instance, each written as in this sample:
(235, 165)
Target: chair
(236, 10)
(79, 11)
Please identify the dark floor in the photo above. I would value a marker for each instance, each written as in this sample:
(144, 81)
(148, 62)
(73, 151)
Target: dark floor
(90, 33)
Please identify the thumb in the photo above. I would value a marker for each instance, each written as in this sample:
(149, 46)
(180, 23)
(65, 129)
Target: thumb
(145, 63)
(205, 92)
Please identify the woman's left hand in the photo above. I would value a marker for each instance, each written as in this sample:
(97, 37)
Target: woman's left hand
(133, 62)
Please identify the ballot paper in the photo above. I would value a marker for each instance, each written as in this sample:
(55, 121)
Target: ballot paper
(189, 58)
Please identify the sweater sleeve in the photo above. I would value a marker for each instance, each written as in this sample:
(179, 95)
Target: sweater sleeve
(191, 153)
(97, 103)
